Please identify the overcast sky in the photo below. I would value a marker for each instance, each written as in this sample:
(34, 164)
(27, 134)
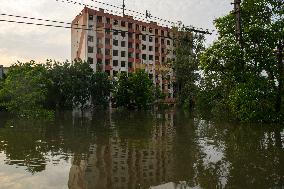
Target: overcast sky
(26, 42)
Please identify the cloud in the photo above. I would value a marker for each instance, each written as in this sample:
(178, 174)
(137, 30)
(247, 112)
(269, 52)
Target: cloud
(25, 42)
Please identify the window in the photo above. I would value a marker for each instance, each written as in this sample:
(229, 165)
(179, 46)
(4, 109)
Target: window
(115, 52)
(150, 48)
(107, 41)
(144, 37)
(90, 60)
(157, 58)
(115, 62)
(137, 36)
(123, 53)
(91, 17)
(107, 61)
(108, 20)
(168, 42)
(137, 56)
(107, 31)
(144, 57)
(157, 49)
(162, 33)
(123, 33)
(130, 55)
(129, 64)
(137, 27)
(107, 52)
(162, 41)
(115, 32)
(99, 19)
(150, 39)
(163, 50)
(90, 49)
(99, 51)
(130, 45)
(115, 22)
(144, 47)
(115, 42)
(122, 23)
(123, 44)
(130, 25)
(123, 64)
(90, 38)
(156, 40)
(150, 30)
(151, 57)
(163, 59)
(137, 46)
(99, 61)
(156, 31)
(143, 28)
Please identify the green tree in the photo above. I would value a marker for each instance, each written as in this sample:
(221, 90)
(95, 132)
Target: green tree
(249, 74)
(100, 89)
(25, 89)
(134, 91)
(188, 49)
(70, 85)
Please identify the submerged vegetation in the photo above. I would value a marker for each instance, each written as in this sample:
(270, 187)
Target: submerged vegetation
(38, 90)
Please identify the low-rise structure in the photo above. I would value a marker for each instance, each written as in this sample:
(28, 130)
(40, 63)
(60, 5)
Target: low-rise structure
(116, 44)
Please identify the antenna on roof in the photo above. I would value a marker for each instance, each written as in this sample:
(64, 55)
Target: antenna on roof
(148, 14)
(123, 8)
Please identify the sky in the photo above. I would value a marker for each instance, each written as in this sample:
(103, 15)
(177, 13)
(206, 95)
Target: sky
(27, 42)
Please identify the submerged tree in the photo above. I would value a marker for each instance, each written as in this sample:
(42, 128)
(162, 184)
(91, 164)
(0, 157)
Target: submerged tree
(100, 89)
(134, 91)
(248, 76)
(25, 90)
(188, 46)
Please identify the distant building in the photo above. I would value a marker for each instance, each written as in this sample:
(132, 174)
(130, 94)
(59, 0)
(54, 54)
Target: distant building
(1, 71)
(121, 44)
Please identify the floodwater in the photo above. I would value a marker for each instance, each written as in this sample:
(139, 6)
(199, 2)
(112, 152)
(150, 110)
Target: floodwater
(116, 150)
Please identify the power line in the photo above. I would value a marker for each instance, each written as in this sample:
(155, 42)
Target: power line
(143, 14)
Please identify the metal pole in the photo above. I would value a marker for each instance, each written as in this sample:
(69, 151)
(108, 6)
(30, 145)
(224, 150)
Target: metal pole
(123, 8)
(237, 8)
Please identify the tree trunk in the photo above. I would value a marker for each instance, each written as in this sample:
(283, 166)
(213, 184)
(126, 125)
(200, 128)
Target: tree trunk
(281, 76)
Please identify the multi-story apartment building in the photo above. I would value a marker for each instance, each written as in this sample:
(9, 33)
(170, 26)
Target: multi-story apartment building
(1, 71)
(117, 44)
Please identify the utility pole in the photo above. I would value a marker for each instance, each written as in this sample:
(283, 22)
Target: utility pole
(123, 8)
(237, 12)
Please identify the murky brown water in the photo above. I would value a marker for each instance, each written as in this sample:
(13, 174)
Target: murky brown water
(137, 150)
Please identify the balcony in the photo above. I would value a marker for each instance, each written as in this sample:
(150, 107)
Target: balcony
(131, 30)
(157, 45)
(130, 50)
(131, 40)
(108, 46)
(157, 63)
(100, 35)
(138, 51)
(138, 60)
(108, 26)
(157, 54)
(164, 46)
(108, 67)
(100, 56)
(108, 57)
(131, 59)
(100, 45)
(100, 25)
(131, 70)
(138, 41)
(109, 36)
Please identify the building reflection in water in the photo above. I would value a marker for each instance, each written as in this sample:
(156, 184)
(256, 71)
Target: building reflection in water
(120, 163)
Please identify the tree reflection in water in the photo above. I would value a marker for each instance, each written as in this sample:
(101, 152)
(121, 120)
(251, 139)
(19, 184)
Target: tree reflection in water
(122, 149)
